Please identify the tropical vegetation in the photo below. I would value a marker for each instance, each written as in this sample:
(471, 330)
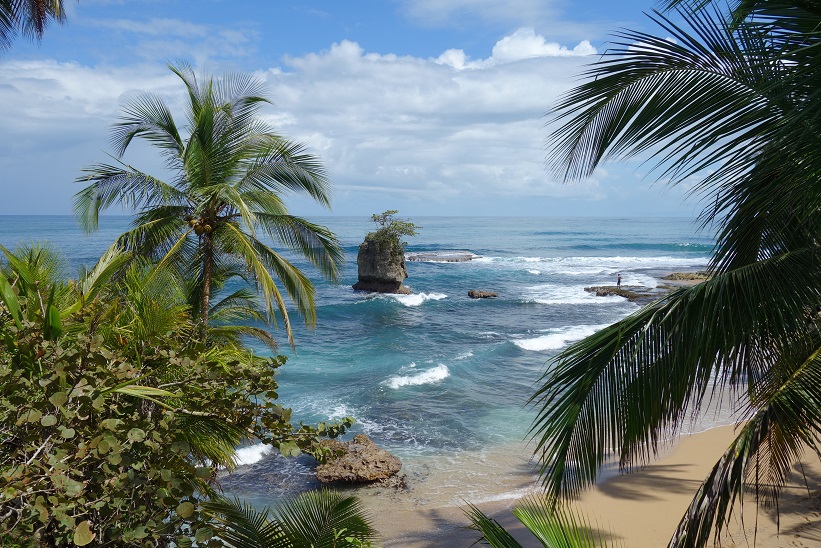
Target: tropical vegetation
(115, 416)
(229, 173)
(316, 519)
(29, 18)
(727, 103)
(390, 230)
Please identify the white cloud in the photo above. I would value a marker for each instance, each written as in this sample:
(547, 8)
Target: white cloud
(522, 44)
(400, 129)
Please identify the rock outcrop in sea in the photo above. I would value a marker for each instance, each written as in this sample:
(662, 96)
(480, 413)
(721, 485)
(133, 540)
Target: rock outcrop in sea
(477, 294)
(359, 461)
(381, 267)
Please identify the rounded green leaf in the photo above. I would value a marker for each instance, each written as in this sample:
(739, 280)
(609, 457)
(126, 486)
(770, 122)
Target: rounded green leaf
(48, 420)
(67, 433)
(58, 398)
(34, 415)
(136, 435)
(83, 534)
(185, 510)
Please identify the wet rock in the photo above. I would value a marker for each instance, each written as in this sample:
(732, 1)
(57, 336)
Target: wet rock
(360, 461)
(476, 294)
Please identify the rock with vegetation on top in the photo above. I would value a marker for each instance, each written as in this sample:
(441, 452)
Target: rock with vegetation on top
(358, 461)
(381, 258)
(381, 266)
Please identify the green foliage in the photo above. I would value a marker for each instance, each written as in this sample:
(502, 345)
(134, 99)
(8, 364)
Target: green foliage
(391, 230)
(230, 175)
(113, 429)
(317, 519)
(554, 526)
(28, 18)
(731, 104)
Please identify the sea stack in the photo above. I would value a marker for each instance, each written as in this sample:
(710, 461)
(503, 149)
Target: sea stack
(381, 266)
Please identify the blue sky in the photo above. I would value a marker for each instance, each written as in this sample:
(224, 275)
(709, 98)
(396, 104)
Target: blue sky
(432, 107)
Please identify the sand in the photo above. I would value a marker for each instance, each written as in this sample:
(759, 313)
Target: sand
(641, 509)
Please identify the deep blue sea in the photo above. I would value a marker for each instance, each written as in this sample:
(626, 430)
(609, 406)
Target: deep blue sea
(438, 378)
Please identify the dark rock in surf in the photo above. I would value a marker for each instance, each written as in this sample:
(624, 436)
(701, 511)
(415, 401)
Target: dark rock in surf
(476, 294)
(358, 461)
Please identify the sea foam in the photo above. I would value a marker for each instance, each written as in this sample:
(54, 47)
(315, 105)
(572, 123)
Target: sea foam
(251, 454)
(428, 376)
(558, 338)
(417, 299)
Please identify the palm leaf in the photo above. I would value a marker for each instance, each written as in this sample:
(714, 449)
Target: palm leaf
(316, 518)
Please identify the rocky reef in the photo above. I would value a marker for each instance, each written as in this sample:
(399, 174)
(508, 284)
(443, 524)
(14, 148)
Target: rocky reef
(358, 461)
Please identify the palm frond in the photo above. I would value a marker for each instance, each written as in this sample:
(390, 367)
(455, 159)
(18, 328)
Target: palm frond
(492, 532)
(240, 526)
(148, 117)
(119, 184)
(314, 242)
(624, 390)
(785, 421)
(316, 518)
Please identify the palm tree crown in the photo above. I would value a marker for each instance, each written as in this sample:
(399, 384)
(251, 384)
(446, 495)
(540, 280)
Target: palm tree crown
(230, 171)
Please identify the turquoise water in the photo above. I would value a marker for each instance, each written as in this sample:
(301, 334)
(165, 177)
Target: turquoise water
(436, 377)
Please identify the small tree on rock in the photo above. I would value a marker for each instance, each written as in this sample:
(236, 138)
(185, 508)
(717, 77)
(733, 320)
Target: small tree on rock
(392, 230)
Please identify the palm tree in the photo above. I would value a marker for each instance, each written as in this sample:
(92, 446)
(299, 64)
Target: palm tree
(731, 102)
(29, 17)
(230, 172)
(316, 519)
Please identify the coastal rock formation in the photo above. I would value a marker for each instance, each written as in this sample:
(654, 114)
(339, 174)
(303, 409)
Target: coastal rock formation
(381, 267)
(361, 461)
(687, 276)
(476, 294)
(638, 294)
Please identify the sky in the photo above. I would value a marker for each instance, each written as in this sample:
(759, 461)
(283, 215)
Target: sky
(431, 107)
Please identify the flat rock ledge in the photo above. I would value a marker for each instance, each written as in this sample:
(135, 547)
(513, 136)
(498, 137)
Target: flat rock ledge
(631, 293)
(442, 256)
(361, 461)
(476, 294)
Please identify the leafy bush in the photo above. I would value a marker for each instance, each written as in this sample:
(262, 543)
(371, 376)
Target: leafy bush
(114, 417)
(392, 230)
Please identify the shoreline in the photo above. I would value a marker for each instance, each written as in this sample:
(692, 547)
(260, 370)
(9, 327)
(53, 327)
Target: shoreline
(641, 508)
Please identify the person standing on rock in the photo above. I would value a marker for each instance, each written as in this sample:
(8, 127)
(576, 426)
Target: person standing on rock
(618, 282)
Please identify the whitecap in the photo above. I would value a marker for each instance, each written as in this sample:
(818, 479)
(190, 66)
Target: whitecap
(532, 271)
(565, 294)
(417, 299)
(428, 376)
(251, 454)
(558, 338)
(464, 356)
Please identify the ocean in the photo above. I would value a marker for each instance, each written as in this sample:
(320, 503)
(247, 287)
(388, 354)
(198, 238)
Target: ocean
(437, 378)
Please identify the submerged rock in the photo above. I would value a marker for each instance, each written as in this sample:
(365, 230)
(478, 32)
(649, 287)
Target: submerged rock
(476, 294)
(381, 267)
(360, 461)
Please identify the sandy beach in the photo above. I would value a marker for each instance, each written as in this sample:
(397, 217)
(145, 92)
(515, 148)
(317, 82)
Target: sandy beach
(639, 509)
